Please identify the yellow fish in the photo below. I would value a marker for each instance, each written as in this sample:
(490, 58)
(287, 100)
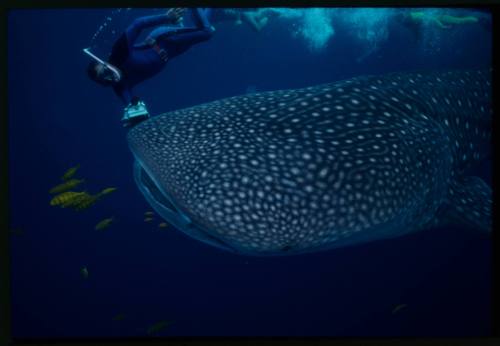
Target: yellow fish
(84, 201)
(399, 307)
(157, 327)
(149, 213)
(76, 200)
(107, 191)
(148, 219)
(67, 185)
(70, 172)
(85, 272)
(65, 199)
(163, 225)
(104, 224)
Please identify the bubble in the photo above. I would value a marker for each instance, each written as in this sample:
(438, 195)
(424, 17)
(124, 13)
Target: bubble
(314, 25)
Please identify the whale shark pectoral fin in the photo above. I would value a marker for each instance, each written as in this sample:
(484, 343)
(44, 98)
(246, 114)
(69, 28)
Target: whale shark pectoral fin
(471, 203)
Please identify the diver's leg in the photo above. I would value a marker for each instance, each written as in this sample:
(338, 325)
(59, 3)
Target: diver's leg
(191, 35)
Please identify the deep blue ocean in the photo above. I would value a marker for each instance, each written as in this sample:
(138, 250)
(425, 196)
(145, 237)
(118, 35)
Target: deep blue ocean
(140, 274)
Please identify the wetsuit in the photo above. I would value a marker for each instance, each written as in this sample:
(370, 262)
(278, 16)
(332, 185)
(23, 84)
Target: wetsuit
(141, 61)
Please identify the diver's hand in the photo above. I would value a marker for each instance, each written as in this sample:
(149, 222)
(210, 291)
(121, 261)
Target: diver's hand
(175, 14)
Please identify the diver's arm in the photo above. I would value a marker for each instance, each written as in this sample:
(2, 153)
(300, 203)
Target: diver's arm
(124, 93)
(134, 30)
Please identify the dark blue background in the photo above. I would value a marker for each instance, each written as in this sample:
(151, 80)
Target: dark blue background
(59, 118)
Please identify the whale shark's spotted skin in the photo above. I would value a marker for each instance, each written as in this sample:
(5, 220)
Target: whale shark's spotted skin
(296, 171)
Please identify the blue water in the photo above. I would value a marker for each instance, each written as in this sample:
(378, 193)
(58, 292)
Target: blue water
(58, 118)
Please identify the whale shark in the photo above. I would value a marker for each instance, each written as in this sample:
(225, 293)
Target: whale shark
(295, 171)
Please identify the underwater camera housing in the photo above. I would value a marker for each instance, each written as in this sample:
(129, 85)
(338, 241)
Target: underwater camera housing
(134, 114)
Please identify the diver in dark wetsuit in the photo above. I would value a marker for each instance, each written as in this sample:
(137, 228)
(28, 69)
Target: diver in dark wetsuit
(129, 63)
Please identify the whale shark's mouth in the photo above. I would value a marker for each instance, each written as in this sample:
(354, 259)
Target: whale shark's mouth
(155, 191)
(163, 206)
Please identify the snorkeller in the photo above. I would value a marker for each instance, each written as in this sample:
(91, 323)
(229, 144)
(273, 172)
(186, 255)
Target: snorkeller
(444, 21)
(416, 20)
(130, 63)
